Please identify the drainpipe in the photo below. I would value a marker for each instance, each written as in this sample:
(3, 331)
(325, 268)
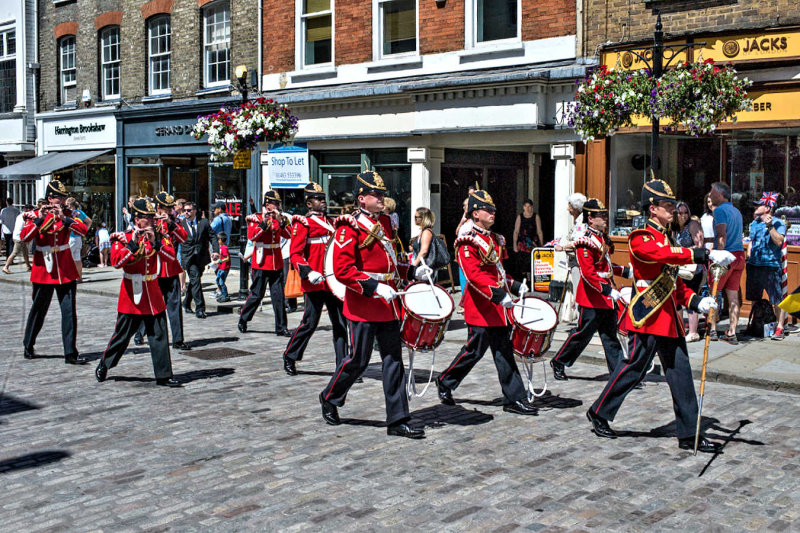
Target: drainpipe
(260, 45)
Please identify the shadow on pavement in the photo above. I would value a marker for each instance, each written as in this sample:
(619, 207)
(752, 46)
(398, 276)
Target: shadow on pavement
(711, 424)
(209, 373)
(454, 415)
(9, 405)
(32, 460)
(213, 340)
(552, 401)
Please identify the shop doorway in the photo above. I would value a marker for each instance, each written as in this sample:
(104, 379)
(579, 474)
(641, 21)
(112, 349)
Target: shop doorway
(547, 197)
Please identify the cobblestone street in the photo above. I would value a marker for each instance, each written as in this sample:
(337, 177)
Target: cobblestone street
(243, 446)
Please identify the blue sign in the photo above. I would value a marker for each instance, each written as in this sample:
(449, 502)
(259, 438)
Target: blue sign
(288, 166)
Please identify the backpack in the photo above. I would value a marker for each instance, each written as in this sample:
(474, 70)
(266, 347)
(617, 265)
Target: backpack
(761, 313)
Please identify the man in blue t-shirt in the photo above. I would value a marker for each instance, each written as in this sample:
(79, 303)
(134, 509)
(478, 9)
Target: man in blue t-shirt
(222, 222)
(728, 236)
(764, 259)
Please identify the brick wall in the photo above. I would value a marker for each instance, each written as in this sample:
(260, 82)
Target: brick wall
(186, 61)
(441, 29)
(353, 31)
(553, 18)
(631, 20)
(278, 36)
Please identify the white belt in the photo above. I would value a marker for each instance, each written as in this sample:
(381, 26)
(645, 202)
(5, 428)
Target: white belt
(318, 240)
(140, 277)
(604, 275)
(51, 249)
(266, 245)
(381, 276)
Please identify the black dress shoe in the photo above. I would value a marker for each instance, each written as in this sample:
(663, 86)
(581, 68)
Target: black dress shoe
(600, 426)
(138, 340)
(75, 359)
(289, 366)
(521, 407)
(30, 353)
(329, 411)
(187, 310)
(445, 394)
(404, 430)
(181, 346)
(101, 372)
(359, 380)
(558, 370)
(704, 445)
(168, 382)
(242, 325)
(284, 333)
(200, 314)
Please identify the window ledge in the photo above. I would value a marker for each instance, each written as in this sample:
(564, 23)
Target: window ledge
(391, 64)
(66, 107)
(11, 114)
(157, 97)
(484, 52)
(214, 90)
(110, 102)
(313, 74)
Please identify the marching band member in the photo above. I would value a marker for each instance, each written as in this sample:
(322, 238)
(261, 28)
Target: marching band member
(53, 270)
(169, 278)
(480, 256)
(653, 320)
(265, 230)
(596, 294)
(364, 261)
(310, 235)
(140, 252)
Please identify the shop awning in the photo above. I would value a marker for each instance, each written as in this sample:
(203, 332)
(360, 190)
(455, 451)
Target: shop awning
(48, 163)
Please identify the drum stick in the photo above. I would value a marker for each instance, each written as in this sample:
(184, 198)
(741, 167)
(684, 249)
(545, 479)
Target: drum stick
(433, 291)
(523, 306)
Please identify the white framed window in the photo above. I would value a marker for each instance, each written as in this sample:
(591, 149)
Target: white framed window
(491, 22)
(396, 31)
(217, 45)
(67, 70)
(159, 51)
(314, 33)
(8, 70)
(109, 63)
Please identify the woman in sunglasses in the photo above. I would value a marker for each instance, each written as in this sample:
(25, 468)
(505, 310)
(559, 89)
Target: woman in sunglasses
(688, 233)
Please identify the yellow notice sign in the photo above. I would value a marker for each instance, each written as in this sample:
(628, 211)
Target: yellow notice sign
(542, 268)
(241, 160)
(750, 46)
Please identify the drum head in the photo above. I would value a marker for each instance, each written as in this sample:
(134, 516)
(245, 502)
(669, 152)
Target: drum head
(337, 288)
(427, 301)
(536, 315)
(626, 295)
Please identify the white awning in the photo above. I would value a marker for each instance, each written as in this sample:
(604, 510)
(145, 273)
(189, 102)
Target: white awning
(47, 164)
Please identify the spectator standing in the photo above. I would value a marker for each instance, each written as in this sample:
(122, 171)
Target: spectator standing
(527, 236)
(576, 230)
(688, 233)
(764, 261)
(222, 222)
(180, 217)
(76, 239)
(286, 250)
(127, 217)
(103, 241)
(20, 247)
(195, 256)
(8, 217)
(707, 223)
(728, 237)
(223, 267)
(424, 218)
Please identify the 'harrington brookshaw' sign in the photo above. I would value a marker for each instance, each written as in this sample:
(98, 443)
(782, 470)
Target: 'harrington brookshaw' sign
(287, 166)
(87, 131)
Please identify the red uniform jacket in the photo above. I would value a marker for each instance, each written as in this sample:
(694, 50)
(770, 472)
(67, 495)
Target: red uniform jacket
(53, 242)
(597, 271)
(359, 259)
(480, 254)
(650, 248)
(310, 235)
(140, 270)
(175, 234)
(266, 232)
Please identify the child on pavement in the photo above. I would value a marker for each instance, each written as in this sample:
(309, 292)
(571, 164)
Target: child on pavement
(223, 267)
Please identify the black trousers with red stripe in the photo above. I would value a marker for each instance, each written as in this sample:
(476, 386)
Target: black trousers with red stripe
(42, 295)
(362, 337)
(314, 301)
(155, 327)
(677, 370)
(257, 291)
(481, 339)
(171, 289)
(603, 321)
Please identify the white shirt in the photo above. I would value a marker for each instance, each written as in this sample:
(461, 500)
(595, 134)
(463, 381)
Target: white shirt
(18, 223)
(707, 222)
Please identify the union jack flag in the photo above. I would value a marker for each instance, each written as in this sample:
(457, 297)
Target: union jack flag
(770, 199)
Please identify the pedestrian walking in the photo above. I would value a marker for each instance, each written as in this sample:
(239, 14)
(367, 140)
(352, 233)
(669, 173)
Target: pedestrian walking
(8, 216)
(102, 240)
(223, 267)
(195, 256)
(76, 239)
(20, 247)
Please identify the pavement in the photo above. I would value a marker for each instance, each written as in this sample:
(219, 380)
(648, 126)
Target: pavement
(242, 446)
(760, 363)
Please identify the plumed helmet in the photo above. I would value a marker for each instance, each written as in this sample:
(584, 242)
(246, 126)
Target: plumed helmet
(143, 207)
(271, 197)
(480, 199)
(369, 182)
(56, 188)
(164, 199)
(656, 191)
(313, 190)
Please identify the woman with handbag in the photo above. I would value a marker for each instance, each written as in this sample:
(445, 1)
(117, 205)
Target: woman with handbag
(422, 245)
(688, 233)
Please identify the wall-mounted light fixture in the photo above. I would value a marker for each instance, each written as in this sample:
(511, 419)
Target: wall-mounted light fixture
(440, 3)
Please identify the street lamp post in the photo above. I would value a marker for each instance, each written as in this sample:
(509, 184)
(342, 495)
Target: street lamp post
(244, 268)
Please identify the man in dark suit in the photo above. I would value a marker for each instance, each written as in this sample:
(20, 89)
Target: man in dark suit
(195, 256)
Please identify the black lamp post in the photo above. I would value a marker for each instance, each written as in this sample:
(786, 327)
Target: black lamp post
(244, 267)
(658, 53)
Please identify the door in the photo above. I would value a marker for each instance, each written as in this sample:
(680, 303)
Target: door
(339, 187)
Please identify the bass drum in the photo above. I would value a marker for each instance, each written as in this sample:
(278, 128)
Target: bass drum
(337, 288)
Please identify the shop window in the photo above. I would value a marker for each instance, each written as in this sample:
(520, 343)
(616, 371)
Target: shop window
(159, 52)
(316, 32)
(493, 20)
(144, 181)
(397, 26)
(755, 166)
(109, 62)
(67, 70)
(217, 51)
(8, 71)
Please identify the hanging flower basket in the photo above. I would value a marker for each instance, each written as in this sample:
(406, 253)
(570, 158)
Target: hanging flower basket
(234, 129)
(694, 96)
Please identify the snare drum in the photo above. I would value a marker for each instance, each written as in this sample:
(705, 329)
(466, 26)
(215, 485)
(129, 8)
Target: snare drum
(427, 313)
(622, 310)
(532, 320)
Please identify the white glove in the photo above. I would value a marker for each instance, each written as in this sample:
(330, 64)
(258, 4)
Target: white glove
(315, 277)
(386, 292)
(615, 295)
(507, 301)
(422, 272)
(707, 304)
(721, 257)
(523, 288)
(629, 272)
